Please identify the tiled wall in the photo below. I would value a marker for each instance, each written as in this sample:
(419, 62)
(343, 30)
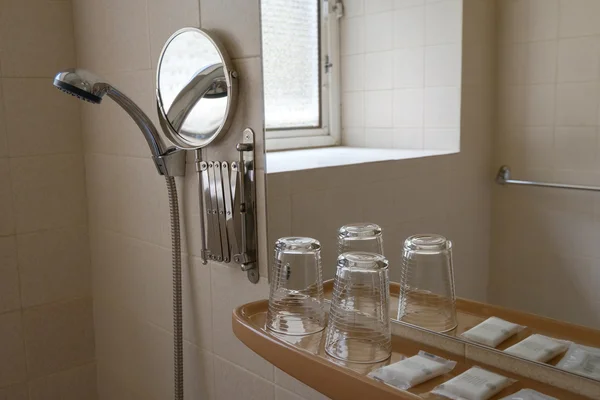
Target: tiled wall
(401, 73)
(446, 194)
(129, 216)
(46, 326)
(545, 256)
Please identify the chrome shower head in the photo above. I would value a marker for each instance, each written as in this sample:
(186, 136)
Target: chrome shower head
(81, 84)
(91, 88)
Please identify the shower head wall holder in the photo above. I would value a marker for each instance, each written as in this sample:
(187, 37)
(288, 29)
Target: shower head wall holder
(229, 201)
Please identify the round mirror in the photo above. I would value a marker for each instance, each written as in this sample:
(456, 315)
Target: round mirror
(196, 89)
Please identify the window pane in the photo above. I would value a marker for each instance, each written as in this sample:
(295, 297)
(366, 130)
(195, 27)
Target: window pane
(290, 34)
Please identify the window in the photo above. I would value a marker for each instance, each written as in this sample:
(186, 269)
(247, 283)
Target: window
(301, 73)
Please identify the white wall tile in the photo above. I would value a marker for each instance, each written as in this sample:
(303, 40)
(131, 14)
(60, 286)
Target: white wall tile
(238, 30)
(3, 138)
(378, 6)
(441, 139)
(378, 32)
(353, 73)
(443, 22)
(353, 137)
(9, 276)
(378, 109)
(12, 361)
(58, 336)
(408, 138)
(353, 109)
(55, 127)
(408, 3)
(408, 108)
(576, 104)
(579, 59)
(442, 107)
(353, 34)
(7, 217)
(378, 70)
(379, 138)
(230, 289)
(409, 67)
(443, 65)
(231, 380)
(353, 8)
(539, 105)
(54, 265)
(59, 181)
(579, 18)
(409, 27)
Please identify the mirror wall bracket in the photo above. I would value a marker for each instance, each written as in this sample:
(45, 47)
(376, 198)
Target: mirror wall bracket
(228, 203)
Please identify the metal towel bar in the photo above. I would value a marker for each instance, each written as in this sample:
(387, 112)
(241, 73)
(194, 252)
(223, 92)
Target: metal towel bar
(504, 178)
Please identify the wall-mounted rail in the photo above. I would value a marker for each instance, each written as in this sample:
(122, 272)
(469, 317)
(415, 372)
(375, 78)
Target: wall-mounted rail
(504, 178)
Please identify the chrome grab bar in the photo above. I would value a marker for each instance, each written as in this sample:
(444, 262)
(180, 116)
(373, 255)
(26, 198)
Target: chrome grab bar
(503, 177)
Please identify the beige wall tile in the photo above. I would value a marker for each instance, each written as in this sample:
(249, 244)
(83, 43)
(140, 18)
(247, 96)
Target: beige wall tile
(579, 18)
(49, 192)
(39, 118)
(578, 59)
(15, 392)
(231, 380)
(577, 104)
(13, 367)
(3, 138)
(9, 275)
(36, 38)
(198, 304)
(229, 289)
(54, 265)
(112, 35)
(58, 336)
(241, 19)
(74, 384)
(293, 385)
(7, 217)
(165, 18)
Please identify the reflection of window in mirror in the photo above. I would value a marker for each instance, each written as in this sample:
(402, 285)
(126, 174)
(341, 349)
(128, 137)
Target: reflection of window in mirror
(363, 74)
(301, 73)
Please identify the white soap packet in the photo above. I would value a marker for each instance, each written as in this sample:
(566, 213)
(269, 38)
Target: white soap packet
(474, 384)
(413, 370)
(492, 331)
(538, 348)
(582, 360)
(528, 394)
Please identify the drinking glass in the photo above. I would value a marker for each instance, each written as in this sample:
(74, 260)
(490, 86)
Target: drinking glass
(427, 296)
(359, 324)
(365, 237)
(296, 295)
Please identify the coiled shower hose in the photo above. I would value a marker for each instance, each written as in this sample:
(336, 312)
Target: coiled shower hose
(177, 297)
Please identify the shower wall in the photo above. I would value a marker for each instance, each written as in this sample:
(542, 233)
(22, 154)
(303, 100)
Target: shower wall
(129, 215)
(46, 325)
(545, 255)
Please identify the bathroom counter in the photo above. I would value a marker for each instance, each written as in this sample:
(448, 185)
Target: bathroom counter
(304, 358)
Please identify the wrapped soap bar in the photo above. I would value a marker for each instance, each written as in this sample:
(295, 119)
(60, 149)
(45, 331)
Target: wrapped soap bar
(474, 384)
(528, 394)
(582, 360)
(413, 370)
(492, 331)
(538, 348)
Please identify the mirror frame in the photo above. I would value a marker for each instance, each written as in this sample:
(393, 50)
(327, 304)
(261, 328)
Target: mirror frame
(231, 78)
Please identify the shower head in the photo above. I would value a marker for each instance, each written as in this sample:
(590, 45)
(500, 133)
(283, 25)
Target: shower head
(91, 88)
(81, 84)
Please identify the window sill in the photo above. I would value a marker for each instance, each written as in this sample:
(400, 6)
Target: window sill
(297, 160)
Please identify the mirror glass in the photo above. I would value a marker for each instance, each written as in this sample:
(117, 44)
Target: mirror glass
(196, 91)
(434, 97)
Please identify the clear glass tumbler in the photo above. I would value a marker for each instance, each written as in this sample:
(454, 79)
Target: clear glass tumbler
(296, 305)
(360, 237)
(427, 296)
(359, 323)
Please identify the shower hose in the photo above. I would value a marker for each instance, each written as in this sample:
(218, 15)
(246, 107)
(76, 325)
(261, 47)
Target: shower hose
(177, 298)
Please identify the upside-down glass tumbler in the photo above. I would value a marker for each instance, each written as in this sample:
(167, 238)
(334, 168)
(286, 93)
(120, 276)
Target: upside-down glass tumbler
(359, 323)
(427, 296)
(296, 305)
(360, 237)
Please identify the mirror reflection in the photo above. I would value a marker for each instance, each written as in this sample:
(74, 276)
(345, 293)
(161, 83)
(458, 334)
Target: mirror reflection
(420, 103)
(194, 88)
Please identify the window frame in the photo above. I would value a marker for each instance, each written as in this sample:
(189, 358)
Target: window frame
(329, 133)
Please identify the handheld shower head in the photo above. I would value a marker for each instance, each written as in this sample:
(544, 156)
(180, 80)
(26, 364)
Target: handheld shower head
(91, 88)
